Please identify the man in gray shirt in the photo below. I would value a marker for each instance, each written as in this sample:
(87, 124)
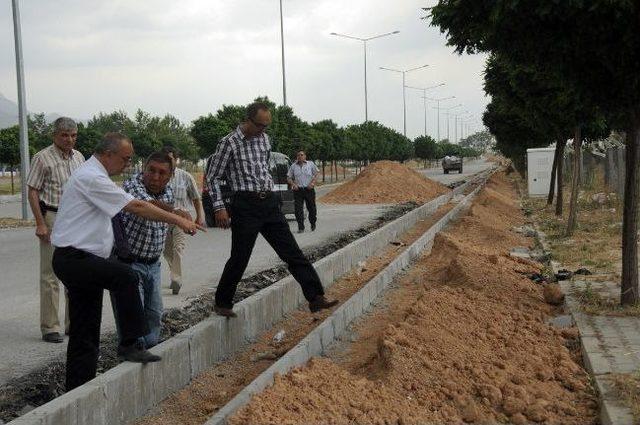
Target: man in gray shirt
(302, 178)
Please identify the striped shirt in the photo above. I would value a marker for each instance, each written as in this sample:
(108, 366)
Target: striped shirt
(184, 189)
(145, 237)
(302, 174)
(243, 162)
(50, 170)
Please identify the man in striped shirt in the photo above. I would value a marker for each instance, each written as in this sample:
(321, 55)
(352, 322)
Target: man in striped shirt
(50, 170)
(242, 159)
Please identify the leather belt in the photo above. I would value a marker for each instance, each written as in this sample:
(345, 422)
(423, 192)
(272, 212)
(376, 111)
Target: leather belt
(263, 194)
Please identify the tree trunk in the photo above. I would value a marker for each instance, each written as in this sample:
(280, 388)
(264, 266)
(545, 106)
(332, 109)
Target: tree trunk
(323, 179)
(335, 164)
(629, 289)
(560, 178)
(13, 190)
(575, 182)
(554, 167)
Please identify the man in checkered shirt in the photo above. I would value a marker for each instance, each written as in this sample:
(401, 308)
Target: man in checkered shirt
(242, 159)
(145, 238)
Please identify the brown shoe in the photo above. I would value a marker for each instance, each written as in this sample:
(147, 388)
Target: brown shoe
(222, 311)
(320, 303)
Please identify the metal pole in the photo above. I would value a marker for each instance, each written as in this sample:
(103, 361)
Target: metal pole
(424, 99)
(404, 104)
(448, 137)
(284, 80)
(366, 108)
(455, 126)
(22, 110)
(438, 107)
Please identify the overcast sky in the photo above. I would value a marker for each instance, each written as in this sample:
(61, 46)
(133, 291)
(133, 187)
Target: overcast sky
(190, 57)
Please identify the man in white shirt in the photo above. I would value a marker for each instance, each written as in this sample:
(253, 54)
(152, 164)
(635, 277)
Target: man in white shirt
(83, 237)
(302, 178)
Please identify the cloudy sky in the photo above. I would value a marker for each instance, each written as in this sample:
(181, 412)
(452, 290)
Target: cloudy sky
(190, 57)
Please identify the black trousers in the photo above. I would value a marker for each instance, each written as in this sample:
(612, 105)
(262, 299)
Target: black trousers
(86, 276)
(250, 216)
(307, 196)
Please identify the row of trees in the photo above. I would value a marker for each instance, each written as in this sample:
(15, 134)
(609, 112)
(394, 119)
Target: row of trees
(324, 140)
(559, 70)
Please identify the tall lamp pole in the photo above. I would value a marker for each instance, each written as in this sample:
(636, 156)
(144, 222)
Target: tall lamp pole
(364, 46)
(424, 98)
(438, 100)
(284, 79)
(404, 91)
(22, 109)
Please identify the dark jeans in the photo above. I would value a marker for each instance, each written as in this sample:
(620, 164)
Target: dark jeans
(86, 276)
(250, 216)
(308, 196)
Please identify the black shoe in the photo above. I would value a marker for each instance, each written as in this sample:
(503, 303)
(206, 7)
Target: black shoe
(137, 354)
(313, 227)
(300, 230)
(52, 337)
(320, 303)
(223, 311)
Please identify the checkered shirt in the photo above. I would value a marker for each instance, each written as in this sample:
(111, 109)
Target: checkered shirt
(243, 162)
(146, 237)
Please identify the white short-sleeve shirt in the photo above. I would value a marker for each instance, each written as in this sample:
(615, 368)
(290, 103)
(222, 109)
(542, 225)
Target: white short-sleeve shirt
(89, 200)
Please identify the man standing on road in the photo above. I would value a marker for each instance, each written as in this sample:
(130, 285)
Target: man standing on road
(146, 238)
(83, 237)
(242, 159)
(302, 177)
(50, 170)
(186, 194)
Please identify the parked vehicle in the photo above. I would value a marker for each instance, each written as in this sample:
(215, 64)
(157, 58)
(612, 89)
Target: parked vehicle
(452, 163)
(279, 165)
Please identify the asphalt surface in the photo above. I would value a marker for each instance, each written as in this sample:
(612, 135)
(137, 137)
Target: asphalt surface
(21, 348)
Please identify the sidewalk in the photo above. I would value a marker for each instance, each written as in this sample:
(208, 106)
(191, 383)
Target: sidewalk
(610, 344)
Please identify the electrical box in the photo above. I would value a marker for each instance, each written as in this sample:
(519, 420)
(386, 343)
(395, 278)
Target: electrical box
(539, 166)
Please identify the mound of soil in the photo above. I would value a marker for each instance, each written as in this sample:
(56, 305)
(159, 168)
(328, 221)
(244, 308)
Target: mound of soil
(386, 182)
(464, 339)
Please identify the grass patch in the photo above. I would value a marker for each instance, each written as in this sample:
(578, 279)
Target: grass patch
(627, 387)
(597, 242)
(592, 302)
(5, 185)
(13, 223)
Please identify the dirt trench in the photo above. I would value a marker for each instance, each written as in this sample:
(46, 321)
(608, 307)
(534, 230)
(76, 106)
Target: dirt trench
(461, 338)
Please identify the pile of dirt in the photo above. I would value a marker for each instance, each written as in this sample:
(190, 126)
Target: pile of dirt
(463, 339)
(386, 182)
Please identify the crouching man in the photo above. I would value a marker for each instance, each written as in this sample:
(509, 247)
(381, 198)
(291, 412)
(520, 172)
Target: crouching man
(145, 239)
(83, 240)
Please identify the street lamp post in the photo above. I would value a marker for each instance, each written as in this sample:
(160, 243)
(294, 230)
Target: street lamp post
(438, 108)
(404, 87)
(449, 114)
(424, 98)
(364, 45)
(22, 109)
(284, 79)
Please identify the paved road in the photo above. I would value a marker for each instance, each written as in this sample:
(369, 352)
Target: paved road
(469, 168)
(21, 349)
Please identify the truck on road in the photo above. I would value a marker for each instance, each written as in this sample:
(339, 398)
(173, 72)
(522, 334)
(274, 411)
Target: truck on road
(451, 163)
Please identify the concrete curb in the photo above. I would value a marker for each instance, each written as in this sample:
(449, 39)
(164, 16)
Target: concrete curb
(128, 390)
(321, 338)
(612, 412)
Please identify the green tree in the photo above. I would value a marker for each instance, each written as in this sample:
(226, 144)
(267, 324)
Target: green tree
(479, 141)
(10, 150)
(566, 38)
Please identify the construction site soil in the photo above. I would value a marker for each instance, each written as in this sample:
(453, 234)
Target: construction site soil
(461, 338)
(214, 388)
(385, 182)
(47, 382)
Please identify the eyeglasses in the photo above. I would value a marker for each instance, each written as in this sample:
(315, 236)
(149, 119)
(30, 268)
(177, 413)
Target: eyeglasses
(259, 125)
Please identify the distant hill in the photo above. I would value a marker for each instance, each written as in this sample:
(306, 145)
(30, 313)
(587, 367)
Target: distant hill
(9, 113)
